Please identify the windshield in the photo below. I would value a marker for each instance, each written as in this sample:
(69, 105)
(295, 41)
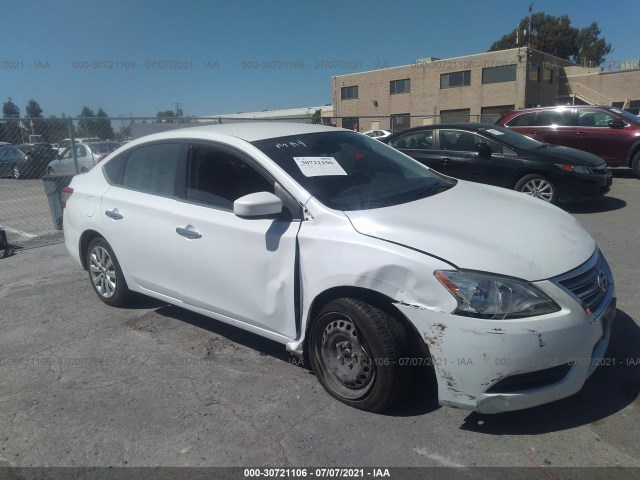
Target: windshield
(349, 171)
(628, 116)
(510, 138)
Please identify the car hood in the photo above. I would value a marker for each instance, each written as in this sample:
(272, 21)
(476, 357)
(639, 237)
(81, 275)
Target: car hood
(490, 229)
(568, 155)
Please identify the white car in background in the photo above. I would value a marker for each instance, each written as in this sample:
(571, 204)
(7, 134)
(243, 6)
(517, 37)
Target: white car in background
(354, 256)
(377, 133)
(88, 154)
(66, 143)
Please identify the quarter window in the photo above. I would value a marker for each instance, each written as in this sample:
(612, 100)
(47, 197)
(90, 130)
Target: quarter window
(217, 178)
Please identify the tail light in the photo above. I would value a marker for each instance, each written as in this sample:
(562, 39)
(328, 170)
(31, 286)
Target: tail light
(101, 157)
(66, 194)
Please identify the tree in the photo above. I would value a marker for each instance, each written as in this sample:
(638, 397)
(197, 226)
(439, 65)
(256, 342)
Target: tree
(166, 116)
(10, 130)
(556, 36)
(592, 49)
(317, 116)
(33, 109)
(86, 124)
(10, 109)
(103, 125)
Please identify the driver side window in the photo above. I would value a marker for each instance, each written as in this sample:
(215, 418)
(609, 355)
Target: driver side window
(217, 178)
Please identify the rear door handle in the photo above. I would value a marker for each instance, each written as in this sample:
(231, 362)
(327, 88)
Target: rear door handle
(580, 134)
(188, 232)
(115, 214)
(446, 160)
(535, 132)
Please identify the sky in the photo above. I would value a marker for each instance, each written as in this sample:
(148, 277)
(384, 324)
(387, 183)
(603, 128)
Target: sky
(138, 57)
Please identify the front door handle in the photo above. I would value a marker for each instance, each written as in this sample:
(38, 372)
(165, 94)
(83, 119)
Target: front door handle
(188, 232)
(446, 160)
(115, 214)
(580, 134)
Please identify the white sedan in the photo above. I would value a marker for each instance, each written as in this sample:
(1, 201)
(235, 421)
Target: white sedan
(87, 154)
(355, 257)
(377, 133)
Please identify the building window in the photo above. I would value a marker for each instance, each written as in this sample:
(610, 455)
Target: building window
(506, 73)
(399, 86)
(351, 123)
(547, 75)
(492, 114)
(400, 121)
(534, 73)
(349, 93)
(455, 79)
(459, 115)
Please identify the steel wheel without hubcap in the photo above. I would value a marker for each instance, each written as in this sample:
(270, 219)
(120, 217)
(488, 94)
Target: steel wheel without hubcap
(344, 358)
(103, 272)
(355, 350)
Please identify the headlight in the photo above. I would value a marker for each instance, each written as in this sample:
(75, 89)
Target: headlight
(574, 168)
(492, 297)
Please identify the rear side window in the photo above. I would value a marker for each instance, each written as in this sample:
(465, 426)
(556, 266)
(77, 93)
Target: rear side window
(217, 178)
(417, 140)
(149, 169)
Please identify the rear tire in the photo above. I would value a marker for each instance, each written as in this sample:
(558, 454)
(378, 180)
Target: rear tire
(636, 165)
(539, 187)
(356, 351)
(105, 274)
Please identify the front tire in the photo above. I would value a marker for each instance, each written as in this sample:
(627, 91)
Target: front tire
(105, 274)
(17, 173)
(356, 351)
(539, 187)
(636, 165)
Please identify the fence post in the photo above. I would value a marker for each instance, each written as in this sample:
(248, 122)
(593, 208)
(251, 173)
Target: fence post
(72, 136)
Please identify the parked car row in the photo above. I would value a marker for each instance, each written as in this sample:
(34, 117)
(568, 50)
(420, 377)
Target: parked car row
(495, 155)
(359, 258)
(34, 160)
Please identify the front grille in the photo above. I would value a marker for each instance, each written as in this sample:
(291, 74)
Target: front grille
(591, 283)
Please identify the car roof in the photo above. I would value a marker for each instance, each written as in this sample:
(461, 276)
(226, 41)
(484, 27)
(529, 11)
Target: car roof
(463, 125)
(248, 131)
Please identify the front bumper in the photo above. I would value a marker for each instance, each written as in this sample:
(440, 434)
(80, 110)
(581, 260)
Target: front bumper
(493, 366)
(579, 186)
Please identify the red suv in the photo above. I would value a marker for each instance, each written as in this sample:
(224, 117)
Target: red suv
(609, 132)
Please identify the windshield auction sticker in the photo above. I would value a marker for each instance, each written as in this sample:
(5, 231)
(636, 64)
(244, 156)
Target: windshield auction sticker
(494, 132)
(319, 166)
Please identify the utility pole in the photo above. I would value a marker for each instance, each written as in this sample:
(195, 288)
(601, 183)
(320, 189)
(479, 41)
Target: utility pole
(529, 36)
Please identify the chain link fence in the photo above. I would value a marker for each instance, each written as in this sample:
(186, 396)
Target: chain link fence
(39, 156)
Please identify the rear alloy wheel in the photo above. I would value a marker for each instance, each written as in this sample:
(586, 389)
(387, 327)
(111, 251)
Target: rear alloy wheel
(636, 165)
(355, 351)
(539, 187)
(105, 274)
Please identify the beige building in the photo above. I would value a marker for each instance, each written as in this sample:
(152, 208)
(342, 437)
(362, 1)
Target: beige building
(473, 88)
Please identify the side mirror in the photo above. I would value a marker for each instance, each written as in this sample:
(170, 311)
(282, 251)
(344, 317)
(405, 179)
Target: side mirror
(616, 123)
(484, 151)
(257, 205)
